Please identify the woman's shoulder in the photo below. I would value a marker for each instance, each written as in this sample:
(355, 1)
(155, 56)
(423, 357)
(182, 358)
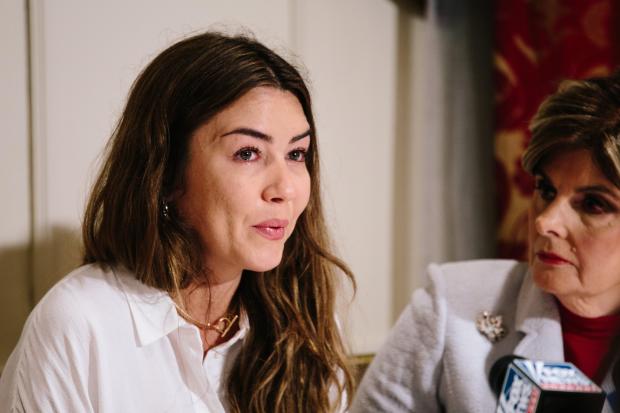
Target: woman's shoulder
(478, 269)
(477, 283)
(87, 284)
(407, 371)
(76, 299)
(467, 275)
(57, 337)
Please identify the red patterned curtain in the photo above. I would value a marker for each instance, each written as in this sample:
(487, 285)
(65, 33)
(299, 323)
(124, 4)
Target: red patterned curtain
(538, 44)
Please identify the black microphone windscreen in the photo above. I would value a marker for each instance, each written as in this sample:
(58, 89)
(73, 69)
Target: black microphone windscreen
(498, 372)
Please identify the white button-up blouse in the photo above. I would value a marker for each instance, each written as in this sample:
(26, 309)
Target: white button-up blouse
(101, 341)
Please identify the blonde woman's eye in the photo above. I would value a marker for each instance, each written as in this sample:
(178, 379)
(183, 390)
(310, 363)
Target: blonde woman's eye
(594, 205)
(297, 155)
(546, 191)
(247, 154)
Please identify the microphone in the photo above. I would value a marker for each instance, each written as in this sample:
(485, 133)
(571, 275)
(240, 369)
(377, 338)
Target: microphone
(527, 386)
(613, 398)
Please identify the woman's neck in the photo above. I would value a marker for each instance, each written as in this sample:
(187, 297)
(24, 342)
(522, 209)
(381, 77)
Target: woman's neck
(208, 301)
(591, 307)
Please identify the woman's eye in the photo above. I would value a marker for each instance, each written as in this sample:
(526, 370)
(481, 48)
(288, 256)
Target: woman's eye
(546, 191)
(297, 155)
(594, 205)
(247, 154)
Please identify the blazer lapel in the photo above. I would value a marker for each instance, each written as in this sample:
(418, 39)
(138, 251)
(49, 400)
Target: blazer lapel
(539, 320)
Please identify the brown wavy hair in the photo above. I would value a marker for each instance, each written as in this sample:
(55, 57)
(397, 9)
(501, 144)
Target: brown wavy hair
(293, 358)
(582, 114)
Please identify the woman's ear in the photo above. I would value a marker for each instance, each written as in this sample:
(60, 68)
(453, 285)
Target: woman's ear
(170, 202)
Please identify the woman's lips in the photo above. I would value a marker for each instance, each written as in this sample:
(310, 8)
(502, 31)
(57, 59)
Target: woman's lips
(272, 229)
(551, 258)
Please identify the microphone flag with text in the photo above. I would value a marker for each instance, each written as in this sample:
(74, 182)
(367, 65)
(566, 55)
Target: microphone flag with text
(527, 386)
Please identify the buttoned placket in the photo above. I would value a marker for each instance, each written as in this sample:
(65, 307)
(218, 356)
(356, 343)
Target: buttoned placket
(205, 372)
(201, 383)
(215, 362)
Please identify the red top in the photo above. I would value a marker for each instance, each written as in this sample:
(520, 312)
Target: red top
(587, 341)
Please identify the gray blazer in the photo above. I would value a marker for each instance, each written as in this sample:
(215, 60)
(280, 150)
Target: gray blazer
(435, 360)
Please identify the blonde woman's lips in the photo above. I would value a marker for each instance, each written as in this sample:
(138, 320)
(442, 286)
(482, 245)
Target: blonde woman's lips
(551, 258)
(272, 229)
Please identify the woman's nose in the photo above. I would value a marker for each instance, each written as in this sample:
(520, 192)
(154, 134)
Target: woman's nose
(280, 186)
(551, 221)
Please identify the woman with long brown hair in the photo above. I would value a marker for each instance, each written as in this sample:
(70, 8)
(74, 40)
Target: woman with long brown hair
(208, 283)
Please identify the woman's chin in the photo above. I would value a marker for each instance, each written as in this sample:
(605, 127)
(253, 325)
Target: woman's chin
(265, 263)
(553, 280)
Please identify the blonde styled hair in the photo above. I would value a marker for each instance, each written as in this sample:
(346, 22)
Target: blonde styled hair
(293, 359)
(582, 114)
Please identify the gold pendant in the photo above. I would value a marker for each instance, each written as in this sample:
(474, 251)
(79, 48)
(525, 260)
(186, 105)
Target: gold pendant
(223, 325)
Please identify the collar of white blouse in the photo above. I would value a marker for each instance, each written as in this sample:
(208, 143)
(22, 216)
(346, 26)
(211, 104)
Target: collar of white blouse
(154, 314)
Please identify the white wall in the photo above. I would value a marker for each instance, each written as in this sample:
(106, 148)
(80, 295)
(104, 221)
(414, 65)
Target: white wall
(349, 47)
(85, 56)
(14, 179)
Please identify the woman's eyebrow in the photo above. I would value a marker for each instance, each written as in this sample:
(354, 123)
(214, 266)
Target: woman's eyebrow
(262, 136)
(249, 132)
(588, 188)
(300, 136)
(598, 188)
(543, 175)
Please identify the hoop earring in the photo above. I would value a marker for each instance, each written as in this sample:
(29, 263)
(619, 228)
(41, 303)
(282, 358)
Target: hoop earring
(165, 209)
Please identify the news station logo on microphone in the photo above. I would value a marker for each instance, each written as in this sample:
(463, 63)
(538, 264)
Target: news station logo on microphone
(538, 386)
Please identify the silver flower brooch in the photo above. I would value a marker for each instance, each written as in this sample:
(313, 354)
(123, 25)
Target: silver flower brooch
(491, 326)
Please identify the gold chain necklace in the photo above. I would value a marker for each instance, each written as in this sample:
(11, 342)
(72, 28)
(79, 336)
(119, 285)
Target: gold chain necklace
(222, 325)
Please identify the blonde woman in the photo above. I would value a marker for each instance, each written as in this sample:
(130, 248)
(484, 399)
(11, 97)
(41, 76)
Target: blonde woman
(564, 304)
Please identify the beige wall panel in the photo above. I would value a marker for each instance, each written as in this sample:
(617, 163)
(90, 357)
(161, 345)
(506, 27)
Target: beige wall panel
(349, 47)
(14, 177)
